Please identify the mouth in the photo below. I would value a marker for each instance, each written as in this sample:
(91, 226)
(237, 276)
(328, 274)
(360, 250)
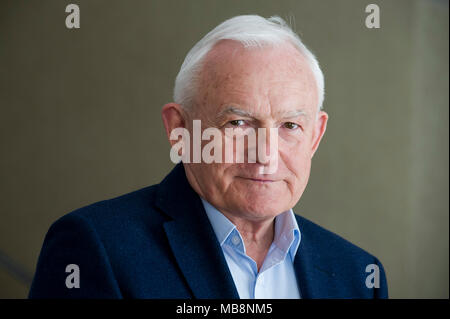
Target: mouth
(258, 180)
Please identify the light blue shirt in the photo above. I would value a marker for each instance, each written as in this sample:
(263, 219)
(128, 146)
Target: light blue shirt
(276, 278)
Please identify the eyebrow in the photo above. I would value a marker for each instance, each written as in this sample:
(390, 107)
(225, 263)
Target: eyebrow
(245, 113)
(235, 110)
(294, 113)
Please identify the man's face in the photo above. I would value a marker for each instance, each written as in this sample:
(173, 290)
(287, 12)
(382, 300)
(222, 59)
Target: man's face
(257, 88)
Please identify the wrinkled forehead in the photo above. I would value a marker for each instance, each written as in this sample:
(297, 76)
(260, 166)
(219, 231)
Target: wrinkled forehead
(232, 72)
(229, 55)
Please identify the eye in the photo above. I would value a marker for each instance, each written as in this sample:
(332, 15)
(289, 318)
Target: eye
(290, 125)
(237, 122)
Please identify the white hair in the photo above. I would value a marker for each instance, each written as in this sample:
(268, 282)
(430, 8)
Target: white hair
(250, 31)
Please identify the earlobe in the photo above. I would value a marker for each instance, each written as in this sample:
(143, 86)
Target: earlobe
(172, 116)
(319, 130)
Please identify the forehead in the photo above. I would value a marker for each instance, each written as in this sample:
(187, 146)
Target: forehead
(265, 79)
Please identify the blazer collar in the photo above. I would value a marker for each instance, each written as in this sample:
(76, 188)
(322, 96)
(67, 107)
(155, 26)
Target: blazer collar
(192, 239)
(313, 272)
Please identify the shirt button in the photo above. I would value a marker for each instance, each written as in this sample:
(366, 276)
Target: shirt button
(235, 240)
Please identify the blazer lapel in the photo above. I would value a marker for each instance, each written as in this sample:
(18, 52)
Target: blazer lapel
(192, 239)
(313, 276)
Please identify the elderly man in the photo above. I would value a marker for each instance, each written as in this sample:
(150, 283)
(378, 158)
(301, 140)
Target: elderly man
(221, 229)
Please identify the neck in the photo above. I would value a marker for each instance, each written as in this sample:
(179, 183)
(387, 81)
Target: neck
(257, 236)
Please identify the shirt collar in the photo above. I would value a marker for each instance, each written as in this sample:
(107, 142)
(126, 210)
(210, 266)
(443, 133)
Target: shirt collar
(287, 233)
(222, 225)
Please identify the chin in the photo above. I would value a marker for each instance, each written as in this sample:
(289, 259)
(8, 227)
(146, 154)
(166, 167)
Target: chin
(263, 212)
(263, 206)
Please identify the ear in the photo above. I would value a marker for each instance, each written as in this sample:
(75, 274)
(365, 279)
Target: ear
(320, 126)
(173, 116)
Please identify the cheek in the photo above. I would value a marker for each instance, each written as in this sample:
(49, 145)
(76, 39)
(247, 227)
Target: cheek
(215, 177)
(297, 160)
(298, 164)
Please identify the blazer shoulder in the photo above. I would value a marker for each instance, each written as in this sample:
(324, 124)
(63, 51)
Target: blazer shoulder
(128, 221)
(130, 209)
(328, 241)
(347, 263)
(97, 238)
(71, 244)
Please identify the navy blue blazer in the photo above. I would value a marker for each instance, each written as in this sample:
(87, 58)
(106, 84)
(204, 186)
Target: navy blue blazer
(157, 242)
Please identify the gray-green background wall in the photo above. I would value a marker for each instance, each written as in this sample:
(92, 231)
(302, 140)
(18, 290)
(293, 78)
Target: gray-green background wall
(80, 120)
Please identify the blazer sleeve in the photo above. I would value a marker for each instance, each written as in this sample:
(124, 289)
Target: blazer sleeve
(72, 240)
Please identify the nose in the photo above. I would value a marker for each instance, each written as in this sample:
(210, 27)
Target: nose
(267, 150)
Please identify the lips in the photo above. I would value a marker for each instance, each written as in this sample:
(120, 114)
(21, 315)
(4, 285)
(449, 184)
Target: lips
(260, 180)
